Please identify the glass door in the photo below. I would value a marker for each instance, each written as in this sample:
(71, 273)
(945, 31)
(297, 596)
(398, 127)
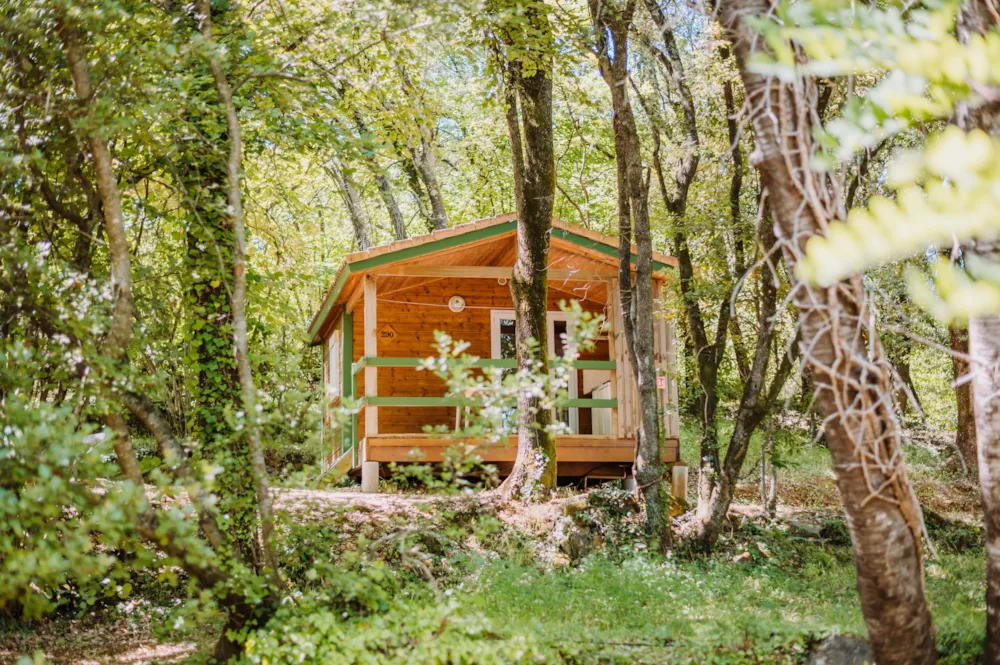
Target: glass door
(504, 345)
(560, 327)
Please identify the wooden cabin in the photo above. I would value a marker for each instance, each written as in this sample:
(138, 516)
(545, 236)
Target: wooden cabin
(377, 323)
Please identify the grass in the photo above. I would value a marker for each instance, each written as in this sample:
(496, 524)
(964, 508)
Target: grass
(766, 608)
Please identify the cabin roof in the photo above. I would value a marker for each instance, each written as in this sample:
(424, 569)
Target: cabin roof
(357, 264)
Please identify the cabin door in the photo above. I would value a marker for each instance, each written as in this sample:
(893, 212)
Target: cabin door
(559, 324)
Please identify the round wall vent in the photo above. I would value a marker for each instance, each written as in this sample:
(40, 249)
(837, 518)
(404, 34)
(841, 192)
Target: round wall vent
(456, 304)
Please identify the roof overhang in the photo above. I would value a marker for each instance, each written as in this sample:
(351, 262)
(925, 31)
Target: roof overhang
(456, 236)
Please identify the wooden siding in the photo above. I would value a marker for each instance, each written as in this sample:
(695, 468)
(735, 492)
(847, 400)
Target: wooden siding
(415, 314)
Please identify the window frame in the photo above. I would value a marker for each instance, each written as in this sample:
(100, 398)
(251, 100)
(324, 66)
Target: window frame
(334, 347)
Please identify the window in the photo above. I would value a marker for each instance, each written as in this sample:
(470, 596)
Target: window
(503, 338)
(333, 364)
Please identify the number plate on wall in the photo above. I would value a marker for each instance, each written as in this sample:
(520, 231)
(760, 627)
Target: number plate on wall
(387, 332)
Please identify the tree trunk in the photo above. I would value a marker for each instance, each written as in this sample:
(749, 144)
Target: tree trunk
(234, 195)
(611, 24)
(965, 429)
(717, 477)
(533, 162)
(905, 388)
(384, 186)
(198, 167)
(768, 474)
(978, 17)
(849, 366)
(117, 342)
(395, 215)
(426, 162)
(984, 343)
(148, 521)
(756, 402)
(424, 158)
(356, 210)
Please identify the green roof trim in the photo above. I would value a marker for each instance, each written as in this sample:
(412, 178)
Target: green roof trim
(402, 254)
(604, 248)
(449, 242)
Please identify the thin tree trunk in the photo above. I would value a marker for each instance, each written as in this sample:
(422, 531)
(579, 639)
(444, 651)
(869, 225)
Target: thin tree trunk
(984, 343)
(850, 369)
(384, 186)
(976, 18)
(356, 210)
(965, 429)
(416, 185)
(117, 343)
(756, 402)
(385, 191)
(149, 523)
(234, 195)
(903, 382)
(768, 474)
(533, 163)
(611, 23)
(426, 162)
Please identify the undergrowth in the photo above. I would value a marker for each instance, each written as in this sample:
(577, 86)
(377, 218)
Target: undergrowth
(766, 596)
(456, 583)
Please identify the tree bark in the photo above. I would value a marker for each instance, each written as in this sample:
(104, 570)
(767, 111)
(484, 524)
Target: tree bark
(984, 343)
(118, 339)
(978, 17)
(965, 429)
(355, 209)
(850, 370)
(425, 160)
(905, 389)
(234, 195)
(384, 186)
(529, 124)
(611, 21)
(149, 523)
(756, 401)
(385, 191)
(199, 169)
(717, 477)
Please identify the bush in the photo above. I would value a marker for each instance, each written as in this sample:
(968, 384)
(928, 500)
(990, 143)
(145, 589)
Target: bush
(420, 631)
(58, 533)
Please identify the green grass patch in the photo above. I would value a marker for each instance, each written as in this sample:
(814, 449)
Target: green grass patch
(769, 607)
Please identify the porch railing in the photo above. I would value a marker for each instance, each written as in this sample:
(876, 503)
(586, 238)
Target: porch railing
(350, 440)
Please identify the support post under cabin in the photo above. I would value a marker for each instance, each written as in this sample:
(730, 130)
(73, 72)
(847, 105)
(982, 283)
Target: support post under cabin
(369, 470)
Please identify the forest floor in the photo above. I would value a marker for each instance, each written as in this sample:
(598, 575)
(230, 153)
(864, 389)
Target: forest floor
(572, 574)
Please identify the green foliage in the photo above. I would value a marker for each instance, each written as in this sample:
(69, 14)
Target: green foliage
(769, 607)
(414, 631)
(945, 191)
(57, 525)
